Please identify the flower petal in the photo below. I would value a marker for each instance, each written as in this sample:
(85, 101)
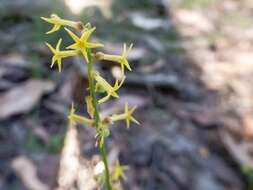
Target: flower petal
(135, 121)
(58, 44)
(53, 61)
(104, 99)
(51, 48)
(86, 34)
(94, 45)
(129, 49)
(72, 35)
(54, 29)
(85, 54)
(59, 63)
(73, 46)
(49, 20)
(125, 62)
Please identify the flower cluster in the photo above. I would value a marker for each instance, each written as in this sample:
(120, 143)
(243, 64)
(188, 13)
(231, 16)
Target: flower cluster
(82, 46)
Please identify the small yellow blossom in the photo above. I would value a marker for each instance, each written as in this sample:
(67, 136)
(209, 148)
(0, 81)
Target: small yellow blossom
(59, 22)
(103, 85)
(102, 133)
(82, 43)
(127, 116)
(121, 59)
(73, 118)
(59, 55)
(119, 171)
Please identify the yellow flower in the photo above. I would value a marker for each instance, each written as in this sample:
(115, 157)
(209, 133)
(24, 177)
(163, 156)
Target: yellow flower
(82, 43)
(103, 85)
(127, 116)
(59, 55)
(121, 59)
(118, 171)
(58, 22)
(102, 133)
(73, 118)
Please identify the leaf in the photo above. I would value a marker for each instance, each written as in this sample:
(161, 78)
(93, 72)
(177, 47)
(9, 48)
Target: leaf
(23, 98)
(74, 168)
(196, 21)
(26, 170)
(241, 151)
(69, 162)
(147, 23)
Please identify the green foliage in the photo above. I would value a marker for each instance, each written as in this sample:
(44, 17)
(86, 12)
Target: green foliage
(248, 173)
(55, 143)
(238, 20)
(133, 4)
(39, 30)
(35, 145)
(36, 67)
(196, 4)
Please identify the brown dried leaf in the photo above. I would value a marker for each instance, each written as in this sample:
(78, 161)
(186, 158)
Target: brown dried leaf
(27, 171)
(69, 162)
(74, 169)
(247, 124)
(145, 22)
(240, 150)
(23, 98)
(14, 59)
(195, 20)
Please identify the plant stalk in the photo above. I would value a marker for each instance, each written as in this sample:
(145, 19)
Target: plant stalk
(102, 149)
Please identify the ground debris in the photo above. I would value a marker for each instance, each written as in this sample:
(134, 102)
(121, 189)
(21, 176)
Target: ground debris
(22, 98)
(27, 171)
(74, 169)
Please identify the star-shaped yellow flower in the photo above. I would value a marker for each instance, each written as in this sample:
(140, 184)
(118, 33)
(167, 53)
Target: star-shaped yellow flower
(73, 118)
(104, 86)
(59, 55)
(127, 116)
(118, 171)
(59, 22)
(121, 59)
(83, 43)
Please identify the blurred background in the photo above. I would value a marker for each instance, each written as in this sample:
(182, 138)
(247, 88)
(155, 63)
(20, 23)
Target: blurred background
(192, 81)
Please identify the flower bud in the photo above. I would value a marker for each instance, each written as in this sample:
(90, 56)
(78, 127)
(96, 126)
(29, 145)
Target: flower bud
(99, 56)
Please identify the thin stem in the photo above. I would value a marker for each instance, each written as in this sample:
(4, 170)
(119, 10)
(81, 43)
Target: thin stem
(102, 148)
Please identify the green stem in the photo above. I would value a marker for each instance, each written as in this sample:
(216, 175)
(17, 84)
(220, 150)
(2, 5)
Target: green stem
(102, 148)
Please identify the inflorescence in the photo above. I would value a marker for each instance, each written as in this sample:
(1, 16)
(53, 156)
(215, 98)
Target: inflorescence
(82, 46)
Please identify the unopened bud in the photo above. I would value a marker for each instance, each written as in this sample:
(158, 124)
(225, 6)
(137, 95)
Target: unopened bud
(99, 56)
(80, 26)
(107, 121)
